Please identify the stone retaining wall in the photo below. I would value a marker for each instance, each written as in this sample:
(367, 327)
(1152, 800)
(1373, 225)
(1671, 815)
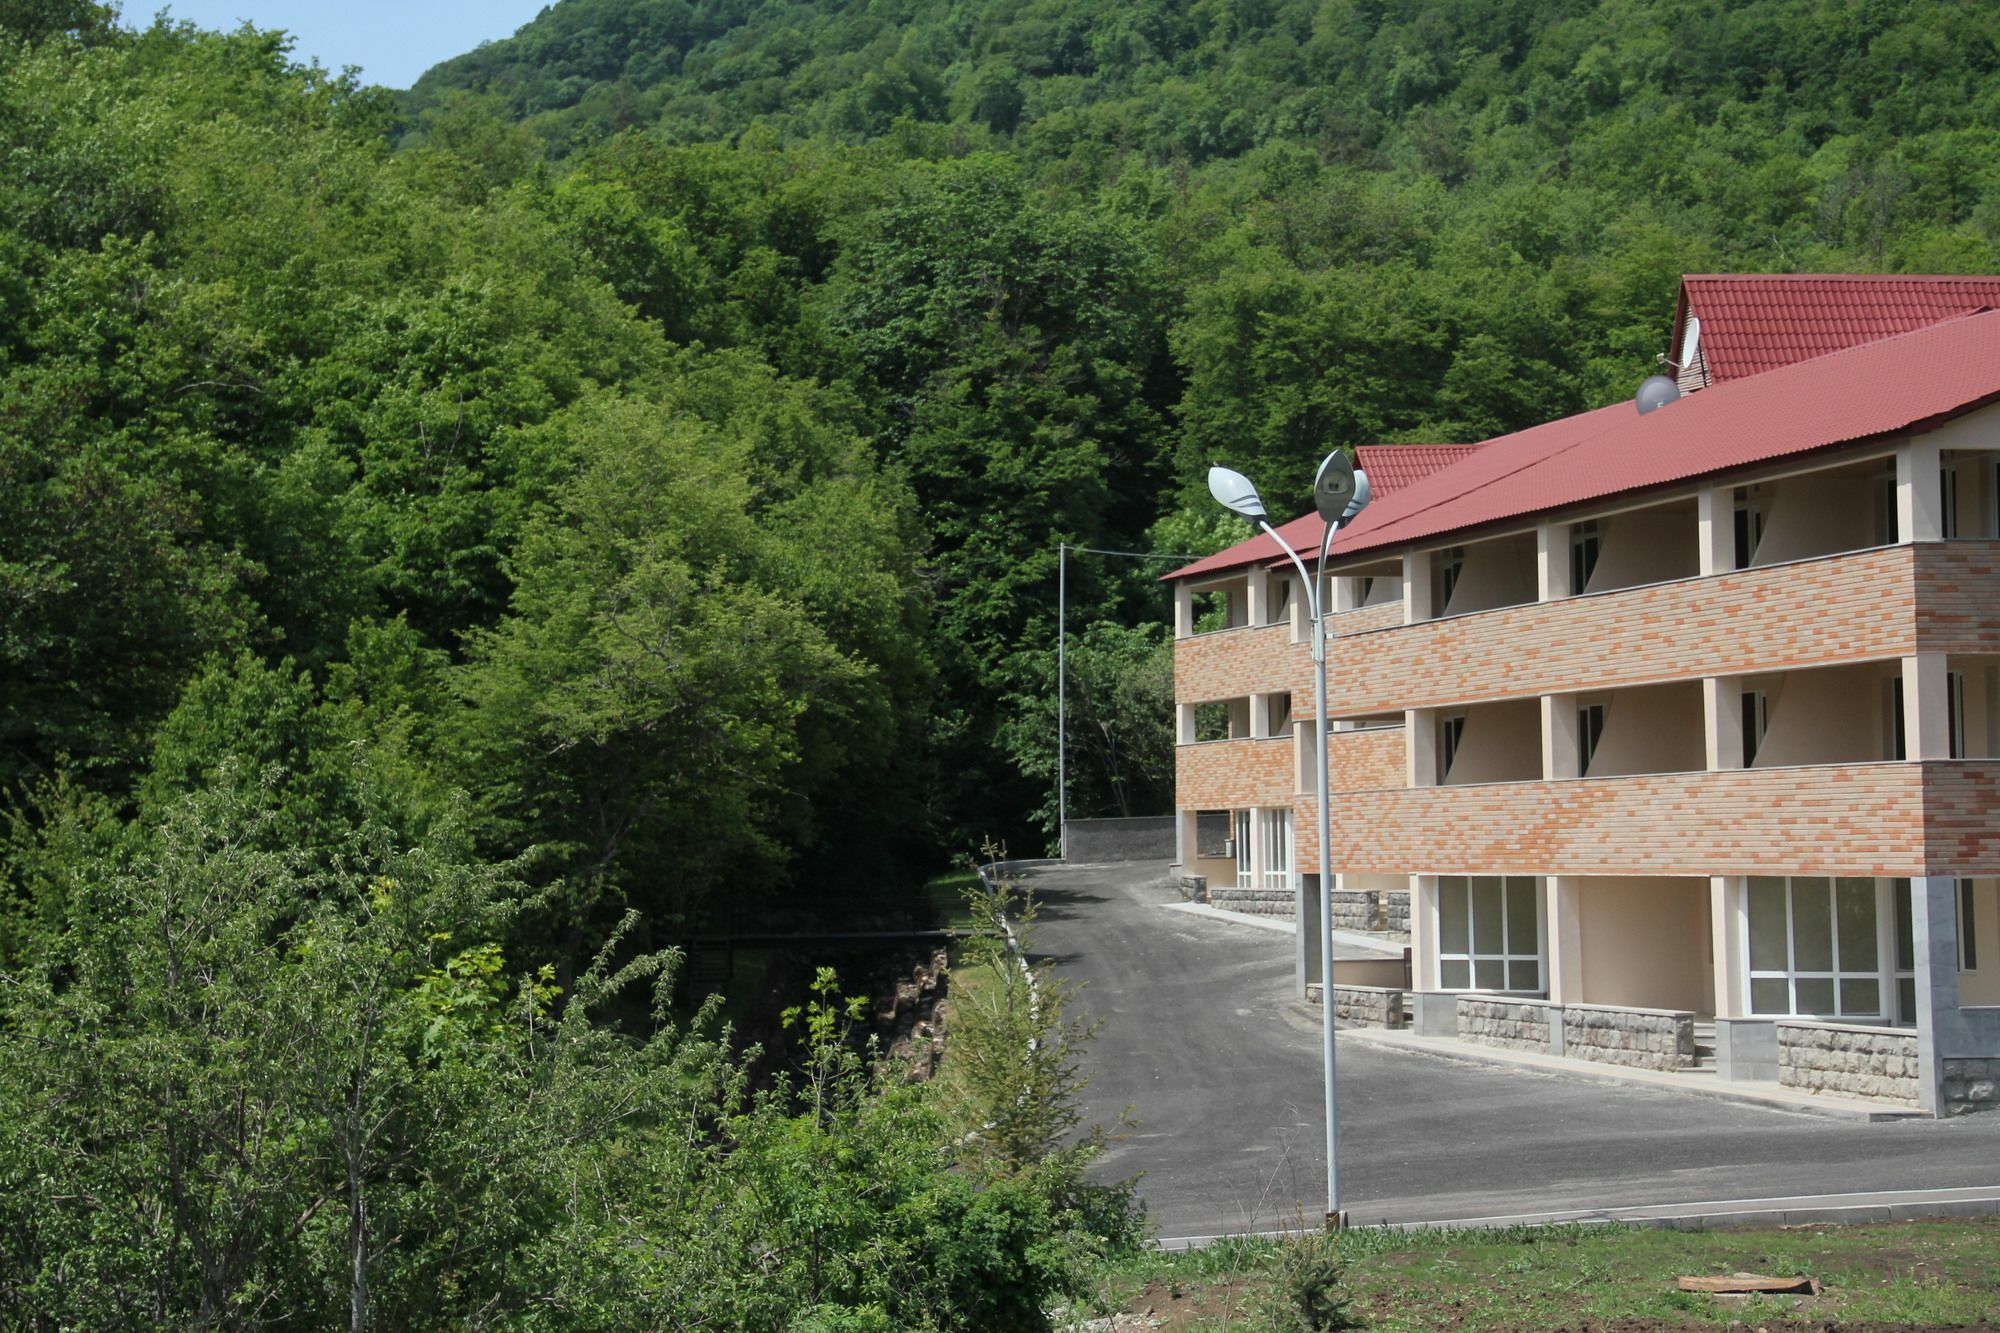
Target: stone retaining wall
(1521, 1025)
(1353, 910)
(1367, 1007)
(1396, 906)
(1971, 1084)
(1639, 1038)
(1876, 1063)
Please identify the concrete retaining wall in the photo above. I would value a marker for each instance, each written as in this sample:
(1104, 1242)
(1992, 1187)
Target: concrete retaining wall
(1141, 838)
(1971, 1084)
(1521, 1025)
(1849, 1060)
(1639, 1038)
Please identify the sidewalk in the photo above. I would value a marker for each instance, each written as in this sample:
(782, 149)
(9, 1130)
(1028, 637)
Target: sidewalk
(1701, 1082)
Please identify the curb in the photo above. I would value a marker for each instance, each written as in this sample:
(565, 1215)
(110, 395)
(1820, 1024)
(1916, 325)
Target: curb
(1795, 1210)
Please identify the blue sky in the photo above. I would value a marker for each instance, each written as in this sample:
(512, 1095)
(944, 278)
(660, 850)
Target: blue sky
(393, 42)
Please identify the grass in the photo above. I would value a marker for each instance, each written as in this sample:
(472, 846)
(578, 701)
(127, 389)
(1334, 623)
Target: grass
(1913, 1273)
(945, 897)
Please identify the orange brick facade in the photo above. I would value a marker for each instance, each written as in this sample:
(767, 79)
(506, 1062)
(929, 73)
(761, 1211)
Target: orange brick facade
(1892, 819)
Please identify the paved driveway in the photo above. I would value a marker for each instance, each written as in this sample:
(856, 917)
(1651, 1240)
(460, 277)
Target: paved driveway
(1221, 1067)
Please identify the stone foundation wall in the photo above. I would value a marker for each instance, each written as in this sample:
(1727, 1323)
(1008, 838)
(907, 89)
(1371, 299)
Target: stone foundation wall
(1639, 1038)
(1971, 1085)
(1396, 905)
(1367, 1007)
(1521, 1025)
(1879, 1064)
(1353, 910)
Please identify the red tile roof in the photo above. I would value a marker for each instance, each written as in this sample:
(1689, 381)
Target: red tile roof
(1754, 322)
(1390, 468)
(1908, 382)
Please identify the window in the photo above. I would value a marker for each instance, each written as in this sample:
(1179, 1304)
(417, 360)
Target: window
(1367, 589)
(1280, 609)
(1446, 566)
(1968, 928)
(1948, 499)
(1489, 933)
(1584, 540)
(1275, 829)
(1243, 849)
(1451, 731)
(1813, 947)
(1886, 523)
(1906, 952)
(1749, 527)
(1756, 722)
(1280, 713)
(1893, 721)
(1954, 713)
(1589, 730)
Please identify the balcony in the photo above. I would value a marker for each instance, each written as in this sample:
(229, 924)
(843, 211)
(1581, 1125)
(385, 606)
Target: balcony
(1883, 819)
(1235, 774)
(1856, 606)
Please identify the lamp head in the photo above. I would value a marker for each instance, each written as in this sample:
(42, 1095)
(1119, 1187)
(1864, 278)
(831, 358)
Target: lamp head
(1333, 485)
(1235, 492)
(1363, 493)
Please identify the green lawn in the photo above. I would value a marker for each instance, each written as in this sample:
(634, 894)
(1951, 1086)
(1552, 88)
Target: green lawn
(1920, 1274)
(945, 895)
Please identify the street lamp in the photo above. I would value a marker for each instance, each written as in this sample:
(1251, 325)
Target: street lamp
(1340, 491)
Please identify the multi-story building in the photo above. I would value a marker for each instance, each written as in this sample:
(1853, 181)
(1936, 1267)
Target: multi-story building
(1691, 713)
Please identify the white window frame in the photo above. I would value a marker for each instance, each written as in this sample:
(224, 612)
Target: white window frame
(1274, 847)
(1245, 831)
(1454, 891)
(1887, 950)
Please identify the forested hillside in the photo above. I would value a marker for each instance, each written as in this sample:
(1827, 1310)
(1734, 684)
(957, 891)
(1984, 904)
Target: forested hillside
(453, 542)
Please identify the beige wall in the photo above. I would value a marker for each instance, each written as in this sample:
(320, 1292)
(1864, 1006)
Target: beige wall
(1500, 572)
(1502, 743)
(1368, 972)
(1656, 729)
(1647, 546)
(1829, 716)
(1818, 514)
(1646, 943)
(1982, 985)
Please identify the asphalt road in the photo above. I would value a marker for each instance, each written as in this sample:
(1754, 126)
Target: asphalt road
(1220, 1066)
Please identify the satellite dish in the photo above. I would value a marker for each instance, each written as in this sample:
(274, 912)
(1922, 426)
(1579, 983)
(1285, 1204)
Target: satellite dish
(1656, 391)
(1333, 487)
(1235, 492)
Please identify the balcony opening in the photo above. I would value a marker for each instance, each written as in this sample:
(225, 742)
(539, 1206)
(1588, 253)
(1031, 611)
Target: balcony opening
(1824, 715)
(1969, 495)
(1220, 606)
(1848, 508)
(1972, 704)
(1640, 729)
(1483, 576)
(1222, 720)
(1498, 742)
(1278, 601)
(1632, 549)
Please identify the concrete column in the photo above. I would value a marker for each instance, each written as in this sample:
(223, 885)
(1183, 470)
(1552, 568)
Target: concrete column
(1722, 721)
(1919, 496)
(1725, 894)
(1305, 933)
(1559, 737)
(1345, 592)
(1715, 520)
(1184, 730)
(1259, 583)
(1260, 716)
(1423, 932)
(1416, 586)
(1926, 710)
(1562, 924)
(1420, 747)
(1183, 838)
(1934, 915)
(1552, 561)
(1183, 610)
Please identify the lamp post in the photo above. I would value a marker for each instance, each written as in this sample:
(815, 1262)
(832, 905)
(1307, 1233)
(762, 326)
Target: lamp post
(1340, 491)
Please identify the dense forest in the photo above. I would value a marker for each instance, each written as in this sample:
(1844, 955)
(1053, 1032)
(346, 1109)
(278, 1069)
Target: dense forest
(457, 542)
